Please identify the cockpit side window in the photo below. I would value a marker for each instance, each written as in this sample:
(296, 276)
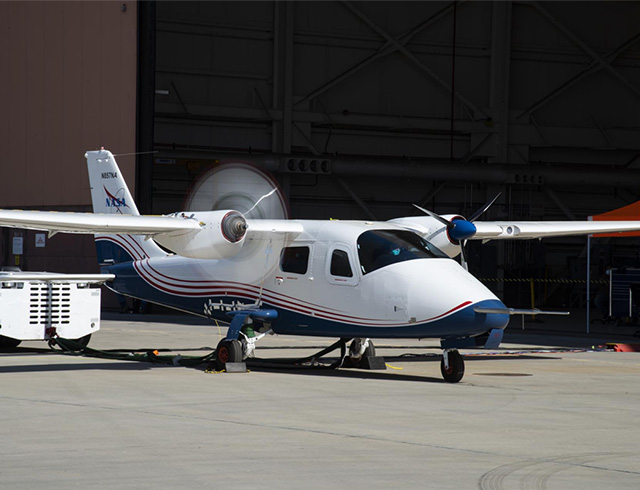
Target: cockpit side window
(340, 264)
(379, 248)
(295, 260)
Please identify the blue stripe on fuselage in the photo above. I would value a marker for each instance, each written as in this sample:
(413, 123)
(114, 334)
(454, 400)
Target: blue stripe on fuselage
(462, 323)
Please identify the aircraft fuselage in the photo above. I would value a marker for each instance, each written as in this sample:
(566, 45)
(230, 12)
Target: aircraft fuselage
(344, 279)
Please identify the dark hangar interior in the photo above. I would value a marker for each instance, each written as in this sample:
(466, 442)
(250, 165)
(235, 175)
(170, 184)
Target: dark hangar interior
(357, 109)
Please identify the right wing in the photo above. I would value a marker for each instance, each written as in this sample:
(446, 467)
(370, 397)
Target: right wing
(508, 230)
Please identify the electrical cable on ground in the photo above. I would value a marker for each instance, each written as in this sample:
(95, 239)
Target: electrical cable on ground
(73, 348)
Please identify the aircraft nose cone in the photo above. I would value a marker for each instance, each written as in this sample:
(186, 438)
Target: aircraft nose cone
(492, 320)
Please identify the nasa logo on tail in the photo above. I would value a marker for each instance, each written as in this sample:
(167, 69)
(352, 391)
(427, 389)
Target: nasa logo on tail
(115, 201)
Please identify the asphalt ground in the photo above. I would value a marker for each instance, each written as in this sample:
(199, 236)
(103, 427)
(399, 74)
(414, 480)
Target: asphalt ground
(542, 411)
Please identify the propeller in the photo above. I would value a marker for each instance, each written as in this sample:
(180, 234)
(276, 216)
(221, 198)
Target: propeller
(482, 210)
(460, 229)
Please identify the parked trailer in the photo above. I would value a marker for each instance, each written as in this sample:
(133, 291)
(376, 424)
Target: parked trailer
(45, 305)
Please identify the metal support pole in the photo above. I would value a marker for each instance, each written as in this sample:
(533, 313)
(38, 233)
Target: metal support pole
(588, 282)
(146, 104)
(499, 73)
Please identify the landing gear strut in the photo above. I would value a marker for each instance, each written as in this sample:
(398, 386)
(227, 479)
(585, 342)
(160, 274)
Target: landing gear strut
(452, 366)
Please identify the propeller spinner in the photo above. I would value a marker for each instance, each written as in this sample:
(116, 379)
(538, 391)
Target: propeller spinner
(459, 230)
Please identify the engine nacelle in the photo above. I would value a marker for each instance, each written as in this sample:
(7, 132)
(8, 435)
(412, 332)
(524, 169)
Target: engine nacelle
(221, 235)
(441, 240)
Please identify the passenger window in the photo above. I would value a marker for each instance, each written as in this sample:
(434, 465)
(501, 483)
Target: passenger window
(340, 264)
(294, 259)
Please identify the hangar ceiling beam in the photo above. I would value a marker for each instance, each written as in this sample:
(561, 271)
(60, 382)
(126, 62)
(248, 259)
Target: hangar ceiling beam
(434, 76)
(558, 202)
(533, 174)
(593, 67)
(424, 201)
(519, 134)
(601, 60)
(386, 49)
(474, 150)
(356, 199)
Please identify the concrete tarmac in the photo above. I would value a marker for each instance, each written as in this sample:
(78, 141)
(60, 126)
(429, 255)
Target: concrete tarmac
(521, 418)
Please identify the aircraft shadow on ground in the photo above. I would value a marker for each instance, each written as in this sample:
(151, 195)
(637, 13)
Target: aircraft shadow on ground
(102, 366)
(279, 365)
(344, 373)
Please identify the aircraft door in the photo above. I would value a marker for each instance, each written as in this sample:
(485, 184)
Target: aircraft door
(340, 266)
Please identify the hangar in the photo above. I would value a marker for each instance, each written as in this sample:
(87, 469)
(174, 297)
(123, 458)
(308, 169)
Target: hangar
(357, 109)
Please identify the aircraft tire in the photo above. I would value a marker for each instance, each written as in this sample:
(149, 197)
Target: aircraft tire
(8, 342)
(228, 351)
(456, 367)
(370, 351)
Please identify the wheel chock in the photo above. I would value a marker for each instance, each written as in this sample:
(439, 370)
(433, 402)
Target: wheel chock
(374, 363)
(235, 367)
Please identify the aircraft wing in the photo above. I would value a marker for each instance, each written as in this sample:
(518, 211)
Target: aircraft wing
(270, 226)
(54, 222)
(91, 223)
(502, 230)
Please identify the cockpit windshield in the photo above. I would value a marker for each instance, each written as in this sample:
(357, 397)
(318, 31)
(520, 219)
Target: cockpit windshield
(379, 248)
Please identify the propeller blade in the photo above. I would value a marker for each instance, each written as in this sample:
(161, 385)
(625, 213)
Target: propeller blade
(463, 256)
(442, 220)
(482, 210)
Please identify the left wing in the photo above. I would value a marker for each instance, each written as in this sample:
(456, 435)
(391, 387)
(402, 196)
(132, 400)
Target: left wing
(126, 224)
(91, 223)
(200, 235)
(502, 230)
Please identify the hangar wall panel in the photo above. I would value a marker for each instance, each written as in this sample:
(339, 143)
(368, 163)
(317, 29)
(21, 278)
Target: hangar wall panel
(69, 86)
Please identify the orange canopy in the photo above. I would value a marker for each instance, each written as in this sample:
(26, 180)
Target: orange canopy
(625, 213)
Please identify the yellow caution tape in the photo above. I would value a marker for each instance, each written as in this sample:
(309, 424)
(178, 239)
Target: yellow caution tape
(556, 281)
(393, 367)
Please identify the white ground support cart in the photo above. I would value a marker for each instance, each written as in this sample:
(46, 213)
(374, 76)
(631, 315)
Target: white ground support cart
(44, 305)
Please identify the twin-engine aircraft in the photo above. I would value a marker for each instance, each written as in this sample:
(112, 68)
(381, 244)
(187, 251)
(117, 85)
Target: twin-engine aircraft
(357, 280)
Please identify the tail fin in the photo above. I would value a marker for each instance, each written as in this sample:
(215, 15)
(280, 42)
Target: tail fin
(110, 195)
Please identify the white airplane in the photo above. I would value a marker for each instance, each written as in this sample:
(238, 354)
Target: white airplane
(357, 280)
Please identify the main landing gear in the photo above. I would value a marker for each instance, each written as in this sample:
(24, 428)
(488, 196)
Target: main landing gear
(228, 351)
(360, 350)
(452, 366)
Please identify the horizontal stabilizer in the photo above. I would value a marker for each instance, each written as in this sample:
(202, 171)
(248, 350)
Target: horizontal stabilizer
(517, 311)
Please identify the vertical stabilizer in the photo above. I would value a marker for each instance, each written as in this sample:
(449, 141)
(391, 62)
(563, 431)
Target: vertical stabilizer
(110, 195)
(109, 191)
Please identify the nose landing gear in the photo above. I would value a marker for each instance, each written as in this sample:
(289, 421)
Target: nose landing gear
(452, 366)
